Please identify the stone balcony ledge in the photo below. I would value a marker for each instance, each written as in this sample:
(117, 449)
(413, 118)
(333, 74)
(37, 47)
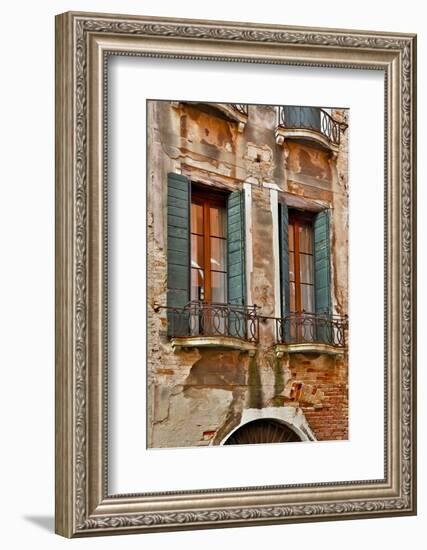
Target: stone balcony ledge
(308, 347)
(282, 134)
(220, 342)
(234, 112)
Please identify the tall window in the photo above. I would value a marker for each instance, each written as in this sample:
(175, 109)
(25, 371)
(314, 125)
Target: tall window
(208, 246)
(305, 271)
(301, 264)
(206, 259)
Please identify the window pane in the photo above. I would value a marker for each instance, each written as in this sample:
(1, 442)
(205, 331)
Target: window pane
(305, 239)
(307, 298)
(197, 284)
(218, 221)
(291, 266)
(196, 218)
(291, 237)
(306, 268)
(218, 254)
(219, 287)
(292, 296)
(197, 252)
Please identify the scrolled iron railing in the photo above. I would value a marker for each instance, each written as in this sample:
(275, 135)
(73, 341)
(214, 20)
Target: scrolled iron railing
(214, 319)
(304, 328)
(241, 108)
(312, 118)
(198, 318)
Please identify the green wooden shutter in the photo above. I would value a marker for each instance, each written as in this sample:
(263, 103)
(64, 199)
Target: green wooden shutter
(322, 275)
(236, 248)
(236, 287)
(178, 252)
(284, 270)
(322, 263)
(284, 258)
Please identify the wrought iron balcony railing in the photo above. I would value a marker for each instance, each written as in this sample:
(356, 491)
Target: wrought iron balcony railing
(214, 319)
(312, 118)
(199, 318)
(304, 328)
(241, 108)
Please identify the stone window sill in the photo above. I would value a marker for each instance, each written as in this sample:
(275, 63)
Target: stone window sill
(219, 342)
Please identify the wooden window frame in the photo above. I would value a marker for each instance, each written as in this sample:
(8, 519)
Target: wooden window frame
(296, 219)
(207, 198)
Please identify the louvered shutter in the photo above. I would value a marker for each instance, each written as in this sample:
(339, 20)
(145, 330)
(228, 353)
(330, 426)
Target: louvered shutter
(284, 269)
(284, 258)
(236, 287)
(178, 252)
(236, 248)
(322, 274)
(322, 263)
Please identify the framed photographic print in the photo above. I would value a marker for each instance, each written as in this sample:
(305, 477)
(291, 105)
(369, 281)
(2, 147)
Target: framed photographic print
(235, 274)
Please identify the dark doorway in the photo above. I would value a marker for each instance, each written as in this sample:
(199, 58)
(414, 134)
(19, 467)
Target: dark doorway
(262, 431)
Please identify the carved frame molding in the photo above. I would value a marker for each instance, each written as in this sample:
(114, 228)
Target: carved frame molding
(83, 43)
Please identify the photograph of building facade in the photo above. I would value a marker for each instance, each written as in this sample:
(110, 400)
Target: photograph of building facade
(247, 274)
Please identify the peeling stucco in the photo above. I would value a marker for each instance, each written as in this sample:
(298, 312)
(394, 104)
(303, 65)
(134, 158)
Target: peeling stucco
(198, 396)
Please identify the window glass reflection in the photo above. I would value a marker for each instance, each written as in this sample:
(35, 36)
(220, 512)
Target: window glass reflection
(197, 218)
(218, 222)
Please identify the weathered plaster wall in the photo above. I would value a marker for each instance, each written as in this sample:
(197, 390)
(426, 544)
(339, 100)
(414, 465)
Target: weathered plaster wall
(340, 229)
(198, 396)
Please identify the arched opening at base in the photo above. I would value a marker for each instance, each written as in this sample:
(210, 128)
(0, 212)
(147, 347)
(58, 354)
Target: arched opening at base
(264, 430)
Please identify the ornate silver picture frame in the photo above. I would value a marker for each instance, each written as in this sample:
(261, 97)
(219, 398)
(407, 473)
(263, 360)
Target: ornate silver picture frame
(84, 43)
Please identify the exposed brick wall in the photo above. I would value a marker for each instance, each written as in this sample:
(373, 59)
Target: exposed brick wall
(320, 387)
